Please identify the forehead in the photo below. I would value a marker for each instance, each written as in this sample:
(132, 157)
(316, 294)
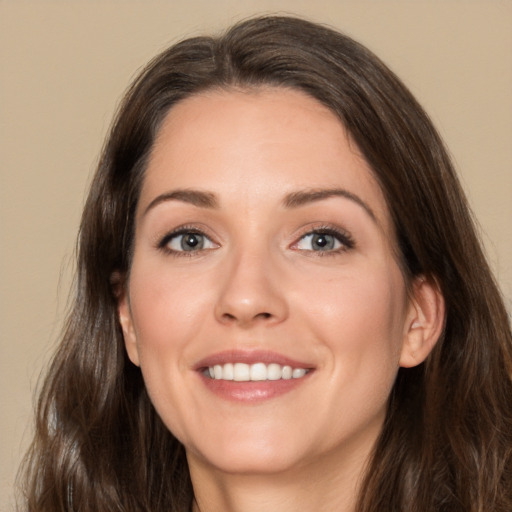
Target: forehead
(257, 143)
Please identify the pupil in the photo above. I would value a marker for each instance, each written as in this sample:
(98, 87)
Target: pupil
(323, 241)
(190, 241)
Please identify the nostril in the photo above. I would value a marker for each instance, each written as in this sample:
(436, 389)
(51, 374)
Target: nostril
(231, 317)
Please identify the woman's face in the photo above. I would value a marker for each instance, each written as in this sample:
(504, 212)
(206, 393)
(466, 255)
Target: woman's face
(264, 250)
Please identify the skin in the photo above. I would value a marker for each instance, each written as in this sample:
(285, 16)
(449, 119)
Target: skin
(258, 283)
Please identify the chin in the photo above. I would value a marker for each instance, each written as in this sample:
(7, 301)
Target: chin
(249, 456)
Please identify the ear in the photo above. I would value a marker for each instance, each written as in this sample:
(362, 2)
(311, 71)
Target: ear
(125, 319)
(424, 322)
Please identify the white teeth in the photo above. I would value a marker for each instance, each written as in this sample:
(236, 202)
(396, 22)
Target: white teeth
(228, 372)
(275, 372)
(217, 371)
(242, 372)
(298, 373)
(259, 371)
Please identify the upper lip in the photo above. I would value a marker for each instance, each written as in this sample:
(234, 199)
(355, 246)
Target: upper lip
(250, 357)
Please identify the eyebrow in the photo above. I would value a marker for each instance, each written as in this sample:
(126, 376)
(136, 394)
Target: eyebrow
(195, 197)
(304, 197)
(296, 199)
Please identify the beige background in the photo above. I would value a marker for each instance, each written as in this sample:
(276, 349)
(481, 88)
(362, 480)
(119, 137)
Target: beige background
(65, 64)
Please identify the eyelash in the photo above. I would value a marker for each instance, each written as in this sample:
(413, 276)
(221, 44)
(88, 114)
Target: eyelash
(344, 238)
(163, 245)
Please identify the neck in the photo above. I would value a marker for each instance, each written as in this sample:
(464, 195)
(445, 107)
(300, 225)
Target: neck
(324, 484)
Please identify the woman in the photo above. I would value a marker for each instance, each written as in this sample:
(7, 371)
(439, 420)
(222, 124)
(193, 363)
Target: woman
(281, 301)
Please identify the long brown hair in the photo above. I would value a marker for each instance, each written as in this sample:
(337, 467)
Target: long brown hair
(447, 441)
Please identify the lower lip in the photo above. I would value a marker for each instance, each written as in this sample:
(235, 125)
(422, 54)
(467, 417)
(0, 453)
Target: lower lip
(252, 391)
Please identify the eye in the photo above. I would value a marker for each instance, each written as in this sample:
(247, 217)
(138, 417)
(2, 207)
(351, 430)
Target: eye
(325, 240)
(186, 241)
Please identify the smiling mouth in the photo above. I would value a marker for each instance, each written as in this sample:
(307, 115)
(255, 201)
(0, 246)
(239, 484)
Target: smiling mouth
(243, 372)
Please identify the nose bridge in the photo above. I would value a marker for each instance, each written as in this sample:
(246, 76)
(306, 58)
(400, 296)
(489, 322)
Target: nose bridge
(250, 290)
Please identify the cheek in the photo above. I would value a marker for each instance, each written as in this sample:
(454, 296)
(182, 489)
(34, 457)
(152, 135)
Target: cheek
(166, 307)
(167, 314)
(360, 319)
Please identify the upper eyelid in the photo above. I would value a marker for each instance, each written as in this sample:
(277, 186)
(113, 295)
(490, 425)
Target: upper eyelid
(183, 229)
(326, 229)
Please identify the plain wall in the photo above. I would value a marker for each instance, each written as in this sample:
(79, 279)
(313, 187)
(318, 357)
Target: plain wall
(65, 64)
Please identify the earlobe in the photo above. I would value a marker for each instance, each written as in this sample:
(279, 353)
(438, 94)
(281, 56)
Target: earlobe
(424, 322)
(125, 319)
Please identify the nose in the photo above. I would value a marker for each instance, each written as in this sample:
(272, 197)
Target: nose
(251, 292)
